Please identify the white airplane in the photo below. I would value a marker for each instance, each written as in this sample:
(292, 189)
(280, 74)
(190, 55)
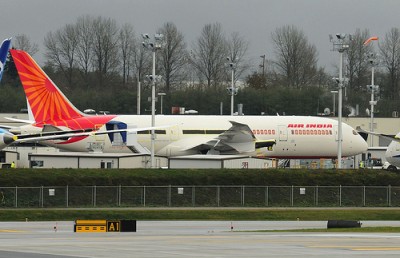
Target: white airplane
(392, 153)
(267, 136)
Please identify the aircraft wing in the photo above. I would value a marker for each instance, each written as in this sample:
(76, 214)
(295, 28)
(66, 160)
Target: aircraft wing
(62, 135)
(390, 137)
(237, 139)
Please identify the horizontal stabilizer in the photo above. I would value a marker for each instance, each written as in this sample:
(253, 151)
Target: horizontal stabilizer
(20, 120)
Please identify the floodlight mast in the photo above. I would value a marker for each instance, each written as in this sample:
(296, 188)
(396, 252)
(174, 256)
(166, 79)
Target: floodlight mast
(374, 90)
(232, 91)
(153, 46)
(341, 44)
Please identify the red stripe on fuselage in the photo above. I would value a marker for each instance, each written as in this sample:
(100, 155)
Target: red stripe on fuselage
(86, 122)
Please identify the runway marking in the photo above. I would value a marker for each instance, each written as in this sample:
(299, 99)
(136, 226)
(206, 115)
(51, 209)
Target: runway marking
(11, 231)
(377, 249)
(360, 248)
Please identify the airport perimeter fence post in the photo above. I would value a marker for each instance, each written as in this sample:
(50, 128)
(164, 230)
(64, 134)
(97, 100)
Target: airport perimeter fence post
(266, 196)
(340, 195)
(94, 192)
(291, 196)
(316, 196)
(169, 196)
(242, 196)
(364, 196)
(119, 196)
(41, 197)
(144, 196)
(389, 196)
(193, 196)
(67, 196)
(218, 192)
(16, 197)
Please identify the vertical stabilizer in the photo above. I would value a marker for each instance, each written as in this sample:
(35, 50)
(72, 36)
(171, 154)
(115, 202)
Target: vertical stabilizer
(45, 100)
(5, 46)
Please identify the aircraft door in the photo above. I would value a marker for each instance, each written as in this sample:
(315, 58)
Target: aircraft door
(336, 132)
(283, 136)
(175, 133)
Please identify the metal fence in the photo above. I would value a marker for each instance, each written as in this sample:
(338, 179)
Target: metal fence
(199, 196)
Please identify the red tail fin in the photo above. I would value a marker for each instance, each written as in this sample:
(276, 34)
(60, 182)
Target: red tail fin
(47, 103)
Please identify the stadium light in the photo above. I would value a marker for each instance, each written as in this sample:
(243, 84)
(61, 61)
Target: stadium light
(340, 44)
(153, 45)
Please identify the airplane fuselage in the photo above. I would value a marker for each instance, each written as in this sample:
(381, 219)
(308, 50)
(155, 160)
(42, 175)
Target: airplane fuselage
(392, 154)
(295, 136)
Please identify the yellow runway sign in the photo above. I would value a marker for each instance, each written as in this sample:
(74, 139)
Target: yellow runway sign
(97, 226)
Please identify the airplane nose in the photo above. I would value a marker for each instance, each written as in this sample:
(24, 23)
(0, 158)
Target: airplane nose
(354, 144)
(360, 145)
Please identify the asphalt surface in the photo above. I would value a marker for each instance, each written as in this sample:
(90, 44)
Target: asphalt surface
(194, 239)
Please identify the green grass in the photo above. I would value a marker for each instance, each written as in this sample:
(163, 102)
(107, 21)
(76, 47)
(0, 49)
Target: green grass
(358, 214)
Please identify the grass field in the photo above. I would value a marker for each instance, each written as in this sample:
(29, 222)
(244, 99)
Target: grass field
(98, 177)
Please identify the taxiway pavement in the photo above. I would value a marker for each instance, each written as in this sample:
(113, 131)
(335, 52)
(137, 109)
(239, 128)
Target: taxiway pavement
(194, 239)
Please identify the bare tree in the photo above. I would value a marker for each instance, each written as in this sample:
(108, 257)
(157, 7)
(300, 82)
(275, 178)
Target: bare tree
(61, 50)
(84, 27)
(173, 56)
(209, 54)
(237, 49)
(141, 60)
(23, 42)
(105, 47)
(356, 65)
(390, 51)
(127, 44)
(296, 58)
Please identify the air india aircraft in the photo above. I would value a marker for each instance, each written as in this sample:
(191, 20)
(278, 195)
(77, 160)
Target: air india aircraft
(267, 136)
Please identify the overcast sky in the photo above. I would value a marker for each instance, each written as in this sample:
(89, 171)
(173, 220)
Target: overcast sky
(253, 19)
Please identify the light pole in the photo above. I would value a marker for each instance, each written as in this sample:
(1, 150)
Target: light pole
(232, 91)
(340, 45)
(153, 45)
(161, 94)
(138, 96)
(334, 92)
(374, 89)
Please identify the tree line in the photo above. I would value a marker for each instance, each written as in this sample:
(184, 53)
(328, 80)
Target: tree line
(99, 64)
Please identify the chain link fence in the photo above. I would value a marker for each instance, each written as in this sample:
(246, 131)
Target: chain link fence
(199, 196)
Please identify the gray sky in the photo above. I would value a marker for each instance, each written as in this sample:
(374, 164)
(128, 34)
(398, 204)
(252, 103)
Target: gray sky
(253, 19)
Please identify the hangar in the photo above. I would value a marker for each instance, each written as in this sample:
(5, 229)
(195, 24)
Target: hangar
(93, 160)
(219, 161)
